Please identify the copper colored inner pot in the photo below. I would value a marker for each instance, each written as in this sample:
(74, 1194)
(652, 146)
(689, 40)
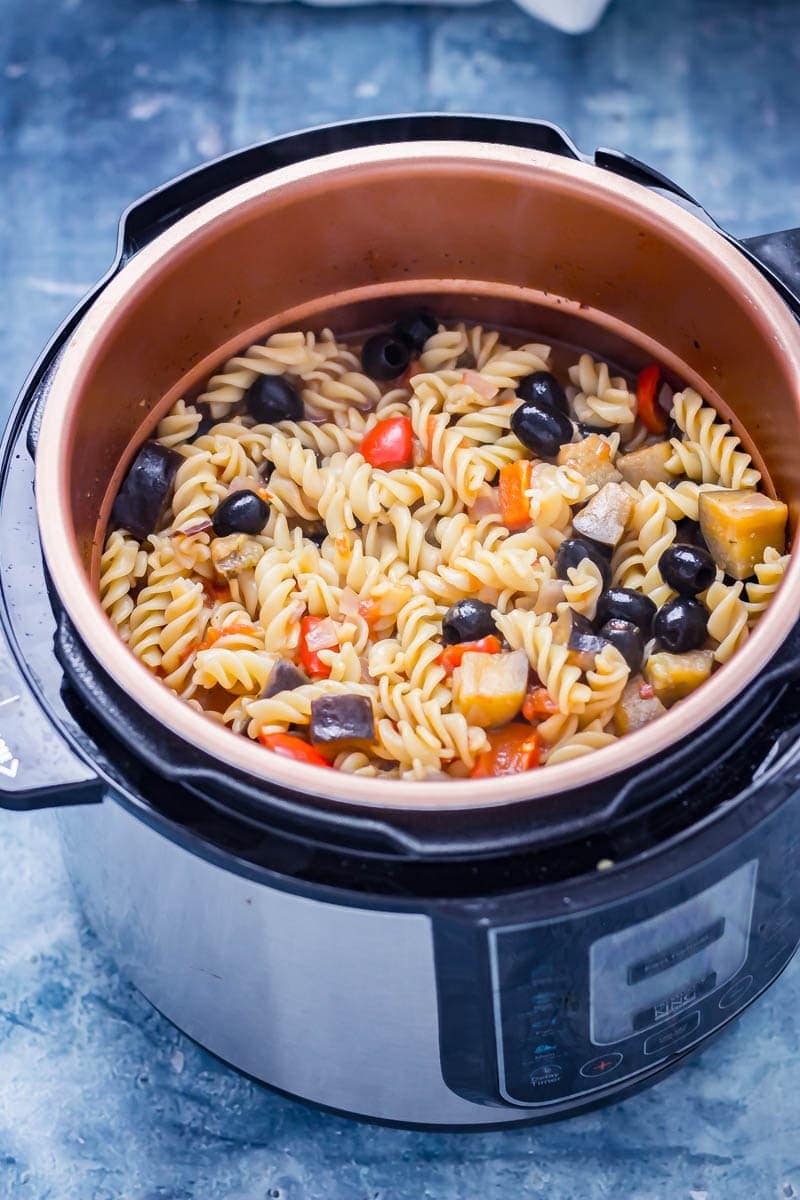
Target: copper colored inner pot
(490, 233)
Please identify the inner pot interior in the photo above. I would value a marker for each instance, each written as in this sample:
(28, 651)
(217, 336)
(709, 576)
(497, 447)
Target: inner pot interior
(491, 234)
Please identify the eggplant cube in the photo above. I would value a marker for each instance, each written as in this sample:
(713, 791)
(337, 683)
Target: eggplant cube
(635, 710)
(284, 677)
(593, 457)
(739, 526)
(646, 465)
(604, 517)
(674, 676)
(488, 689)
(143, 495)
(342, 721)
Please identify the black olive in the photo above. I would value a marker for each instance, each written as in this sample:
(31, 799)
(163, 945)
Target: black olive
(690, 533)
(467, 621)
(207, 422)
(673, 429)
(627, 638)
(626, 604)
(143, 495)
(272, 398)
(415, 327)
(543, 388)
(542, 429)
(680, 625)
(241, 512)
(687, 569)
(572, 550)
(585, 430)
(385, 356)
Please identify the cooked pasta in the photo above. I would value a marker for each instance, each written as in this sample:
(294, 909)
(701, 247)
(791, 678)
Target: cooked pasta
(370, 556)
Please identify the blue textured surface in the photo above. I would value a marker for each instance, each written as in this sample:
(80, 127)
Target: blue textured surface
(100, 1098)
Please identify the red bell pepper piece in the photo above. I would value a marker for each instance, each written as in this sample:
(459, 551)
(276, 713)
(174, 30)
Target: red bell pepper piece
(538, 705)
(451, 656)
(310, 659)
(515, 479)
(292, 747)
(390, 443)
(511, 750)
(649, 409)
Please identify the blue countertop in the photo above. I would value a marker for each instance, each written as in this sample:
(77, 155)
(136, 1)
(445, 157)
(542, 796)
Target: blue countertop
(100, 1098)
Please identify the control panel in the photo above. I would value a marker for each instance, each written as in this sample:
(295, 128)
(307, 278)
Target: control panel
(565, 1008)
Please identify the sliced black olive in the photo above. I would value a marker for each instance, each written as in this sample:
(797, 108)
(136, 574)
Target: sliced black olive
(542, 429)
(626, 604)
(586, 430)
(680, 625)
(342, 718)
(687, 569)
(673, 429)
(690, 533)
(467, 621)
(573, 550)
(143, 496)
(415, 327)
(241, 512)
(385, 356)
(207, 422)
(627, 638)
(583, 637)
(272, 398)
(284, 677)
(543, 389)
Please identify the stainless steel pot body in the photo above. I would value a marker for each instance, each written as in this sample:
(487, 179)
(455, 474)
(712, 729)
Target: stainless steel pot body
(472, 1014)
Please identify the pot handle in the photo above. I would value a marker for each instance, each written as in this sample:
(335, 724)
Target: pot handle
(37, 767)
(777, 255)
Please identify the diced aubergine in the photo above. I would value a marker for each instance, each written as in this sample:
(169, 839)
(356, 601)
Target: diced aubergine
(646, 465)
(638, 706)
(235, 553)
(488, 689)
(284, 677)
(143, 496)
(342, 721)
(673, 676)
(739, 526)
(604, 517)
(583, 638)
(591, 456)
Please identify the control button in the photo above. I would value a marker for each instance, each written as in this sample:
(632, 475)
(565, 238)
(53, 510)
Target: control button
(736, 993)
(602, 1065)
(666, 1037)
(547, 1073)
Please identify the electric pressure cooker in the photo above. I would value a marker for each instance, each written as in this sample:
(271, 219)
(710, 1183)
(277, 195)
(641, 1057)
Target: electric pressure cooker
(464, 954)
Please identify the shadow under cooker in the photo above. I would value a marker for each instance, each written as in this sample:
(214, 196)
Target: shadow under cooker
(479, 954)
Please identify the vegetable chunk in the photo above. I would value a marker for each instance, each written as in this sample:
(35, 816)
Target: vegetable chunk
(647, 465)
(637, 707)
(673, 676)
(604, 517)
(592, 457)
(739, 526)
(488, 689)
